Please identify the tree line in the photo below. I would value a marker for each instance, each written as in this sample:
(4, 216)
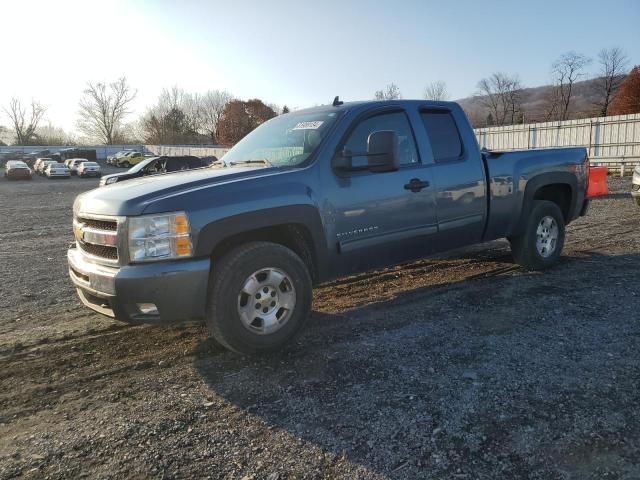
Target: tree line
(501, 95)
(177, 117)
(216, 117)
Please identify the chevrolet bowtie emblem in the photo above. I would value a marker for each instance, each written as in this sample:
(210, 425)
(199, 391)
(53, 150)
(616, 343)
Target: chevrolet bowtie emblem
(77, 231)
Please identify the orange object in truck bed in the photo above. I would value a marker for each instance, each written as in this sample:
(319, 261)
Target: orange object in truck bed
(598, 182)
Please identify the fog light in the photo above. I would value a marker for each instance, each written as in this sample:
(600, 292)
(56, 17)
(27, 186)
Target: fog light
(148, 308)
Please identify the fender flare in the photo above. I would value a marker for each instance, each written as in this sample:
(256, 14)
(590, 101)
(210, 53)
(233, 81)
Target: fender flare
(308, 216)
(543, 180)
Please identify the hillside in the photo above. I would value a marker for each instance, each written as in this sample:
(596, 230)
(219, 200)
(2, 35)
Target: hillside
(533, 103)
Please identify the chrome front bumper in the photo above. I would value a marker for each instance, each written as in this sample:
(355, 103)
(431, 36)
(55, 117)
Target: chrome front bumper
(178, 288)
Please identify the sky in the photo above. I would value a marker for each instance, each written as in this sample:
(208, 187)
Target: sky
(293, 52)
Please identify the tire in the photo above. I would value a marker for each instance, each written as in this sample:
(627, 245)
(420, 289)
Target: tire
(258, 264)
(545, 219)
(126, 165)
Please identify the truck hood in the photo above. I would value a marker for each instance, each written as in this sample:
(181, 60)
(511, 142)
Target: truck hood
(133, 196)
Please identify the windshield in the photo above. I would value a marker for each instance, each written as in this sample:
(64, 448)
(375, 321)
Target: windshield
(284, 141)
(89, 164)
(139, 166)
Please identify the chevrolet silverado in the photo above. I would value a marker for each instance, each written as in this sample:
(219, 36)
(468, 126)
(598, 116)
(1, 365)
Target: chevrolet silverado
(307, 197)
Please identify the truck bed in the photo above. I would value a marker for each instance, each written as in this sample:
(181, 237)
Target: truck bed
(510, 172)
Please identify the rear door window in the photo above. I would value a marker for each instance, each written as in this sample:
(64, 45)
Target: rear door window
(174, 164)
(194, 162)
(443, 135)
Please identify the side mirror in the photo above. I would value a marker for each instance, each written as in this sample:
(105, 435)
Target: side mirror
(382, 150)
(382, 154)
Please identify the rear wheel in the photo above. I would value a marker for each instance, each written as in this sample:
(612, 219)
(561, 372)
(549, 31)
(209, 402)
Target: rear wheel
(541, 243)
(259, 298)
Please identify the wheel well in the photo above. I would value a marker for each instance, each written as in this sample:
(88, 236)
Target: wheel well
(293, 236)
(558, 193)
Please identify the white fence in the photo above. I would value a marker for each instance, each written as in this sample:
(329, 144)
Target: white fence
(611, 141)
(195, 150)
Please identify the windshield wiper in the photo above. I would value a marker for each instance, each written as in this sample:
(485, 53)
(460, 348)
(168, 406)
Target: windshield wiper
(262, 161)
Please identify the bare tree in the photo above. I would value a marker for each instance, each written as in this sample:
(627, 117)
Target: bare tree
(552, 104)
(213, 103)
(391, 92)
(191, 106)
(613, 65)
(568, 69)
(513, 100)
(52, 135)
(436, 91)
(501, 94)
(177, 117)
(3, 133)
(103, 108)
(24, 125)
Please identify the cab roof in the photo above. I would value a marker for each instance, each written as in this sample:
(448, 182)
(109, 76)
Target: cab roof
(366, 104)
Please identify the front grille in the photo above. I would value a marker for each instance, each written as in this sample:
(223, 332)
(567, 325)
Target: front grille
(97, 237)
(110, 225)
(102, 251)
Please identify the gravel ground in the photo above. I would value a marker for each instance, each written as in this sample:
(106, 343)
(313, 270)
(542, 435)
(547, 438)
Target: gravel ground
(464, 366)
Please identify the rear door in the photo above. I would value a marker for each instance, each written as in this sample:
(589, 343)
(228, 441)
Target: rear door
(460, 188)
(379, 219)
(175, 164)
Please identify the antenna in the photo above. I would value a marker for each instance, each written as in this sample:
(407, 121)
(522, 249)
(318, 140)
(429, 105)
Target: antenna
(337, 102)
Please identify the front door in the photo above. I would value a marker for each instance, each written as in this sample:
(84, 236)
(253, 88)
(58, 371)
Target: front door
(383, 218)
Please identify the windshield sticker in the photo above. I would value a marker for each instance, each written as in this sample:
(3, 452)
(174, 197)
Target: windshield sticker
(308, 125)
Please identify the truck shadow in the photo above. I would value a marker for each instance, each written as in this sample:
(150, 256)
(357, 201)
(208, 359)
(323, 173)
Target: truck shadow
(389, 386)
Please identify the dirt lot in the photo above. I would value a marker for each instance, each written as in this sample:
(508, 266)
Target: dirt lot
(463, 367)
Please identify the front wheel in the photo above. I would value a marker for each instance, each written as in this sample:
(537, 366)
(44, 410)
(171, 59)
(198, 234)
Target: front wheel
(259, 297)
(540, 245)
(126, 164)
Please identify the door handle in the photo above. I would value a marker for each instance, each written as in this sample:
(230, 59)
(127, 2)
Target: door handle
(415, 185)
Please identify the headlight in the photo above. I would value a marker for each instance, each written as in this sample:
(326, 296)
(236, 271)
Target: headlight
(111, 180)
(159, 237)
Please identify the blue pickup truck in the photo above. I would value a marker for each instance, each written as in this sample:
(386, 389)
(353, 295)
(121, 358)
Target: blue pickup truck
(307, 197)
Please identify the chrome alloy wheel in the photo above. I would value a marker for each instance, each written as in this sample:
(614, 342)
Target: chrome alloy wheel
(547, 236)
(266, 301)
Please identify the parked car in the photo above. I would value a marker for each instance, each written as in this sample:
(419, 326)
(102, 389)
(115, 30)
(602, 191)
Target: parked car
(74, 163)
(635, 184)
(308, 197)
(7, 156)
(129, 159)
(31, 157)
(42, 165)
(86, 153)
(88, 169)
(154, 166)
(57, 170)
(17, 170)
(112, 159)
(37, 162)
